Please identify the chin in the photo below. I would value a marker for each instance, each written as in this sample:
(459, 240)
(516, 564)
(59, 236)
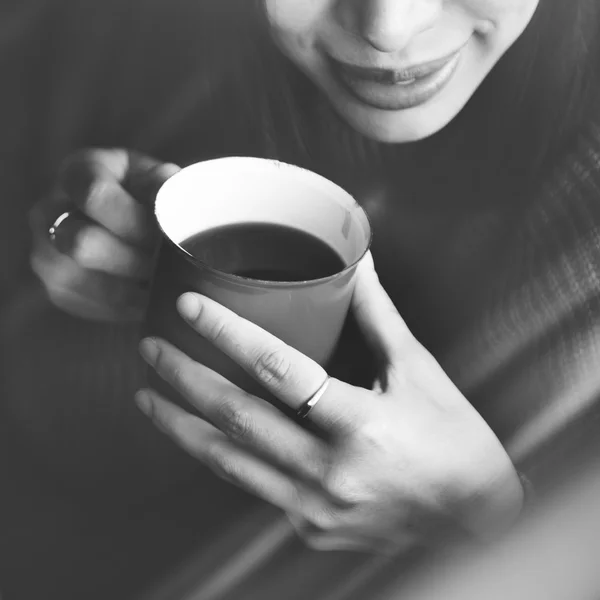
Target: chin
(393, 133)
(405, 125)
(399, 127)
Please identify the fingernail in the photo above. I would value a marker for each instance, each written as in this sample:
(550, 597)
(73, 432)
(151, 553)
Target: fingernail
(144, 402)
(188, 306)
(167, 170)
(149, 351)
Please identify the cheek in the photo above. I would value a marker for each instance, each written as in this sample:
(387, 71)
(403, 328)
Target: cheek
(497, 12)
(294, 24)
(497, 24)
(294, 16)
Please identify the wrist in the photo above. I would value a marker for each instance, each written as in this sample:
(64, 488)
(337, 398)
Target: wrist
(495, 505)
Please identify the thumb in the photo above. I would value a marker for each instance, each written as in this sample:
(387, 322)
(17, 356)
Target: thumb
(145, 176)
(377, 317)
(140, 175)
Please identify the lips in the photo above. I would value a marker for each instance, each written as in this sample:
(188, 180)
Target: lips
(395, 89)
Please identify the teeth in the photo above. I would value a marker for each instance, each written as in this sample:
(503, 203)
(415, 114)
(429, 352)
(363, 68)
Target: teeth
(385, 79)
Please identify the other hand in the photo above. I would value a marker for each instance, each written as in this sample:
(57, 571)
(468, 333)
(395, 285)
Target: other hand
(406, 463)
(98, 263)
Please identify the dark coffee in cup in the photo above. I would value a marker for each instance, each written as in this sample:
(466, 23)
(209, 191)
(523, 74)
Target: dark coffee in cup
(265, 251)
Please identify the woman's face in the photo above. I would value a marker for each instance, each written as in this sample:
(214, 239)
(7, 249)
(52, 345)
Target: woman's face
(398, 70)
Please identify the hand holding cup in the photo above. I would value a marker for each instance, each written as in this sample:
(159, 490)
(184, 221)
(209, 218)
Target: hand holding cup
(95, 236)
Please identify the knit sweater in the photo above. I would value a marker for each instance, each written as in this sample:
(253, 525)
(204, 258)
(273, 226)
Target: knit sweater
(529, 362)
(85, 466)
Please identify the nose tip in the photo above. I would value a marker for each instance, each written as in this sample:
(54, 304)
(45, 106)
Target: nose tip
(390, 25)
(385, 43)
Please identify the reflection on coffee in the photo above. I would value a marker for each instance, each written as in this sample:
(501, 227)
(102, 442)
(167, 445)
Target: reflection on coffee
(265, 251)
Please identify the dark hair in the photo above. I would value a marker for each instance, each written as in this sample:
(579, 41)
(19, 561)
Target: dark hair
(527, 113)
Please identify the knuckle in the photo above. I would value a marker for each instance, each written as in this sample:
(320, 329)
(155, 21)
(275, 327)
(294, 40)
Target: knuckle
(175, 374)
(371, 432)
(344, 489)
(87, 169)
(159, 420)
(272, 367)
(215, 330)
(89, 247)
(326, 520)
(171, 424)
(211, 328)
(297, 496)
(224, 466)
(100, 196)
(169, 370)
(180, 425)
(235, 421)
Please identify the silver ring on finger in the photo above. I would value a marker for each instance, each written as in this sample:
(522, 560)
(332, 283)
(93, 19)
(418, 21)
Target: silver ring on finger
(306, 408)
(53, 229)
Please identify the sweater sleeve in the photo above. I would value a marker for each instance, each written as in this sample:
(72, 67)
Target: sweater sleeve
(536, 375)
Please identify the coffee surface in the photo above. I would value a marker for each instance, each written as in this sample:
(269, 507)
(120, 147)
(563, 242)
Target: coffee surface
(265, 251)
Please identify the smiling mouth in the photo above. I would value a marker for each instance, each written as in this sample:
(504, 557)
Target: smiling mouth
(395, 89)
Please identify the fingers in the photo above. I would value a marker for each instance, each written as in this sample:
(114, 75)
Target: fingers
(109, 205)
(215, 450)
(92, 180)
(103, 253)
(106, 281)
(88, 294)
(245, 419)
(132, 170)
(317, 538)
(116, 188)
(283, 371)
(99, 250)
(348, 539)
(145, 177)
(95, 248)
(80, 291)
(376, 315)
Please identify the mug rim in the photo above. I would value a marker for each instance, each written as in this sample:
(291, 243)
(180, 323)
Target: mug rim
(253, 282)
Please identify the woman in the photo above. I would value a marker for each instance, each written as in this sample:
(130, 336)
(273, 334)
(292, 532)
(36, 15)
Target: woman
(466, 129)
